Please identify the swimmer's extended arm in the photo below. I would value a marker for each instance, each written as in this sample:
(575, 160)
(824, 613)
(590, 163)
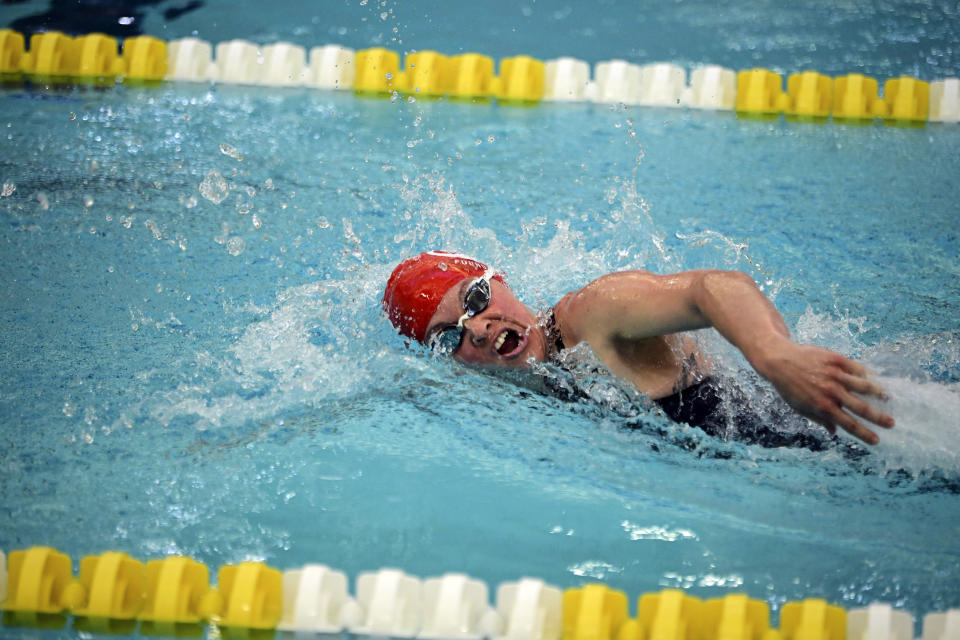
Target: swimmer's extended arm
(816, 382)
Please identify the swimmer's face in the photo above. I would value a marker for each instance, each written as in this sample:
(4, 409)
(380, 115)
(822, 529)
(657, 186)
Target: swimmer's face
(505, 334)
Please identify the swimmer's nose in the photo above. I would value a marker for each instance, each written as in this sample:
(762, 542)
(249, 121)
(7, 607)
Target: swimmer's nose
(476, 326)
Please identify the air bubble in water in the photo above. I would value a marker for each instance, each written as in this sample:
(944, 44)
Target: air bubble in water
(214, 187)
(154, 229)
(235, 246)
(230, 150)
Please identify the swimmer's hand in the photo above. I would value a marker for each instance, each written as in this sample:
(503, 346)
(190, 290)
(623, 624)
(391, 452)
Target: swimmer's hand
(820, 384)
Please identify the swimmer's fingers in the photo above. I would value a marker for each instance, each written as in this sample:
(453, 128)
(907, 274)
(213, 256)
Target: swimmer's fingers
(867, 411)
(852, 426)
(851, 366)
(863, 386)
(835, 413)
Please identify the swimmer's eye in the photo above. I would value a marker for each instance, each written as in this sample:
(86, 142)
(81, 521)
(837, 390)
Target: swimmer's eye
(447, 340)
(475, 299)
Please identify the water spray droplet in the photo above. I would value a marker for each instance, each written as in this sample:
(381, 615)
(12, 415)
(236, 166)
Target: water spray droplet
(235, 246)
(152, 226)
(214, 187)
(230, 150)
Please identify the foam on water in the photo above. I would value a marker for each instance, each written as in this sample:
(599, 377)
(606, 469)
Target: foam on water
(922, 377)
(927, 435)
(312, 345)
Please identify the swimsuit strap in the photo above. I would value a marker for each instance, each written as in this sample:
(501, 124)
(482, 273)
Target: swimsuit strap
(553, 333)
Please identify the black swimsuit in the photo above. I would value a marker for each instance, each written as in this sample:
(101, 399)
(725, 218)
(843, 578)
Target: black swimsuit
(703, 405)
(697, 405)
(727, 413)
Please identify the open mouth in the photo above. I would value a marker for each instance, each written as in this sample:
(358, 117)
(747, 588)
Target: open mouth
(509, 343)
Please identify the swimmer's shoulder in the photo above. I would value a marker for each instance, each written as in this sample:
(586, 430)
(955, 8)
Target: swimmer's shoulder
(584, 313)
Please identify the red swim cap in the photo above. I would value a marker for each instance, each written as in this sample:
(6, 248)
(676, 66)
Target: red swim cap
(417, 285)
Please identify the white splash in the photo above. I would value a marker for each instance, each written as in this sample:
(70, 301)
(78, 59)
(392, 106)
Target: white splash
(927, 433)
(307, 348)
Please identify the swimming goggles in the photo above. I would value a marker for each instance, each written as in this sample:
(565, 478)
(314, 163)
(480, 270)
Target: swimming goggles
(447, 340)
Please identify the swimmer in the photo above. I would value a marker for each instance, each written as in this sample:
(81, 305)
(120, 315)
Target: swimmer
(635, 322)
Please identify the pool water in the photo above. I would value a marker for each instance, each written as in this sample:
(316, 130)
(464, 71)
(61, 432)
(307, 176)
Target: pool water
(196, 362)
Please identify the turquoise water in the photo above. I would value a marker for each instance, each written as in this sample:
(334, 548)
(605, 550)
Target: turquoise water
(199, 365)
